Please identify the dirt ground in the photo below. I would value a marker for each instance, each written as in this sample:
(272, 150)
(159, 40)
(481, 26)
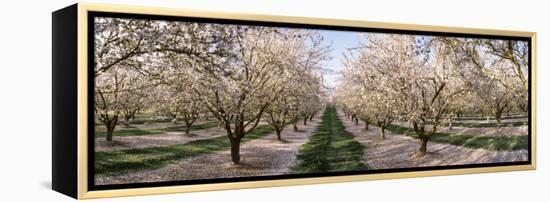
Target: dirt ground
(260, 157)
(399, 151)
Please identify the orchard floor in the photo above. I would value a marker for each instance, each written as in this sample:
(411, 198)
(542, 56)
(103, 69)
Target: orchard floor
(156, 140)
(144, 141)
(488, 131)
(259, 157)
(400, 151)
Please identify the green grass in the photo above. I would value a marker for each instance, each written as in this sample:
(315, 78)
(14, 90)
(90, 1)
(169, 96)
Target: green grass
(508, 143)
(479, 118)
(154, 131)
(193, 127)
(330, 149)
(151, 121)
(489, 125)
(124, 161)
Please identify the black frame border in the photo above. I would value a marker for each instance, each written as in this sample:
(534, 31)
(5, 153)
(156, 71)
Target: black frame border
(91, 82)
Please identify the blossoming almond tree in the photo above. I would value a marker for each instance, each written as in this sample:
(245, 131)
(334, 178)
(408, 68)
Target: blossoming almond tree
(116, 41)
(431, 86)
(119, 93)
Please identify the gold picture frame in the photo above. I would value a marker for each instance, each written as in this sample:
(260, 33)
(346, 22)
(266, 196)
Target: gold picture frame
(78, 187)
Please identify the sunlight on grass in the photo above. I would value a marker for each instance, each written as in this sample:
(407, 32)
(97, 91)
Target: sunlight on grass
(330, 149)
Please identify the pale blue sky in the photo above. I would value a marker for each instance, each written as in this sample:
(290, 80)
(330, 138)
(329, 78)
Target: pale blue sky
(341, 41)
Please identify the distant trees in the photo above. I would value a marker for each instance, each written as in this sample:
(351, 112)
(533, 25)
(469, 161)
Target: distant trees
(300, 100)
(177, 101)
(119, 95)
(504, 61)
(496, 71)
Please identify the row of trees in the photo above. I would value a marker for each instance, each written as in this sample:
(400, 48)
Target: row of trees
(235, 74)
(428, 80)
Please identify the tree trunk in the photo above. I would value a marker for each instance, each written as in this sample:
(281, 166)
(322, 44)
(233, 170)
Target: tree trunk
(366, 125)
(110, 126)
(187, 127)
(127, 121)
(383, 132)
(451, 124)
(356, 121)
(278, 132)
(295, 127)
(235, 151)
(305, 121)
(110, 131)
(424, 144)
(498, 118)
(311, 117)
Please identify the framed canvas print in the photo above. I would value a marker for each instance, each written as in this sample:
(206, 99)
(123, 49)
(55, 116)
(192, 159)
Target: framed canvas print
(156, 100)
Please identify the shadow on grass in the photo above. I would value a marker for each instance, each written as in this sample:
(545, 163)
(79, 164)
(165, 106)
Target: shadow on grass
(477, 118)
(154, 131)
(507, 143)
(490, 125)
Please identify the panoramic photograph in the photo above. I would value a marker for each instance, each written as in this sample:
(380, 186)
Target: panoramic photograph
(181, 101)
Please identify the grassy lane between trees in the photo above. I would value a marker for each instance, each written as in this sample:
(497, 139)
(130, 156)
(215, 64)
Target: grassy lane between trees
(331, 148)
(125, 161)
(155, 131)
(505, 143)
